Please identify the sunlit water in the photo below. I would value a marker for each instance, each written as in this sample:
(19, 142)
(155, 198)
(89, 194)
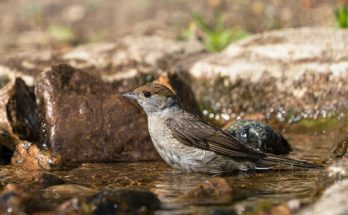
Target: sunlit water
(169, 184)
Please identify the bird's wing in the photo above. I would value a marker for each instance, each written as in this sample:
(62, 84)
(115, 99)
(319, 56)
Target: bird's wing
(192, 131)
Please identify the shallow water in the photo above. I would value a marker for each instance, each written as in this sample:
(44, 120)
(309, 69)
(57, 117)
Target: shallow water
(312, 144)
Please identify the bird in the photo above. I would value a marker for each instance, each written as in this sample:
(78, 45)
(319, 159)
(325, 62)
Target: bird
(186, 142)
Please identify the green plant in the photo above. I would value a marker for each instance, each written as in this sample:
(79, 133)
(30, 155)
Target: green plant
(342, 16)
(216, 37)
(61, 33)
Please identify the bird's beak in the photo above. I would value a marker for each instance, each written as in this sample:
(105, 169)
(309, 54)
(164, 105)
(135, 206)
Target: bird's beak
(130, 95)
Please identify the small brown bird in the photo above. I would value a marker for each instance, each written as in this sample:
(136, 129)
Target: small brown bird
(186, 142)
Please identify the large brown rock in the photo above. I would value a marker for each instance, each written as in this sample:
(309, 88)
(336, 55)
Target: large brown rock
(86, 120)
(108, 69)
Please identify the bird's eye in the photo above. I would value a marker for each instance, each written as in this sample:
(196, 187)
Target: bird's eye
(147, 94)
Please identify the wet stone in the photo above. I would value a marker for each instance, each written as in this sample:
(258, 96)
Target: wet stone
(11, 202)
(270, 208)
(122, 202)
(16, 199)
(333, 190)
(333, 201)
(86, 120)
(338, 169)
(29, 156)
(47, 180)
(213, 211)
(340, 149)
(223, 212)
(70, 207)
(8, 112)
(21, 112)
(69, 190)
(259, 135)
(18, 118)
(212, 187)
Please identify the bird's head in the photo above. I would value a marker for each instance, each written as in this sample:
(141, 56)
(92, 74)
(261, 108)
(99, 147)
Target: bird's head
(153, 97)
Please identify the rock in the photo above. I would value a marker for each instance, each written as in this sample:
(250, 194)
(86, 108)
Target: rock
(213, 211)
(340, 148)
(212, 187)
(29, 156)
(127, 63)
(280, 74)
(7, 137)
(332, 202)
(86, 120)
(18, 118)
(47, 180)
(122, 202)
(13, 199)
(70, 207)
(223, 212)
(269, 207)
(282, 209)
(119, 67)
(259, 135)
(333, 190)
(17, 199)
(21, 112)
(113, 68)
(338, 169)
(69, 190)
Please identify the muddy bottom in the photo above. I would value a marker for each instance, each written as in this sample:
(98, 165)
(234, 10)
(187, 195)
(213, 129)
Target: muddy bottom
(169, 184)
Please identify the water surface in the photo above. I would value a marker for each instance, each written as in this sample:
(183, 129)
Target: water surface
(249, 188)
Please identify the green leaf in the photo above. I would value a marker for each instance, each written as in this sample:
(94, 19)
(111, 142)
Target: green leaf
(216, 37)
(198, 19)
(342, 16)
(60, 33)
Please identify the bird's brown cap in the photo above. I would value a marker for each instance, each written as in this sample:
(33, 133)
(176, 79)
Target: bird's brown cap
(155, 88)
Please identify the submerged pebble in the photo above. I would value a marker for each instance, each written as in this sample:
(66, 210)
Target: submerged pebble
(19, 199)
(216, 186)
(68, 190)
(12, 200)
(29, 156)
(260, 136)
(124, 201)
(46, 180)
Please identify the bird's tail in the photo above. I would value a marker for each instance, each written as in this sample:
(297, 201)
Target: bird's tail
(274, 162)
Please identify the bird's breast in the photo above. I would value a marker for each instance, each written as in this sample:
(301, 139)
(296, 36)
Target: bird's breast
(173, 151)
